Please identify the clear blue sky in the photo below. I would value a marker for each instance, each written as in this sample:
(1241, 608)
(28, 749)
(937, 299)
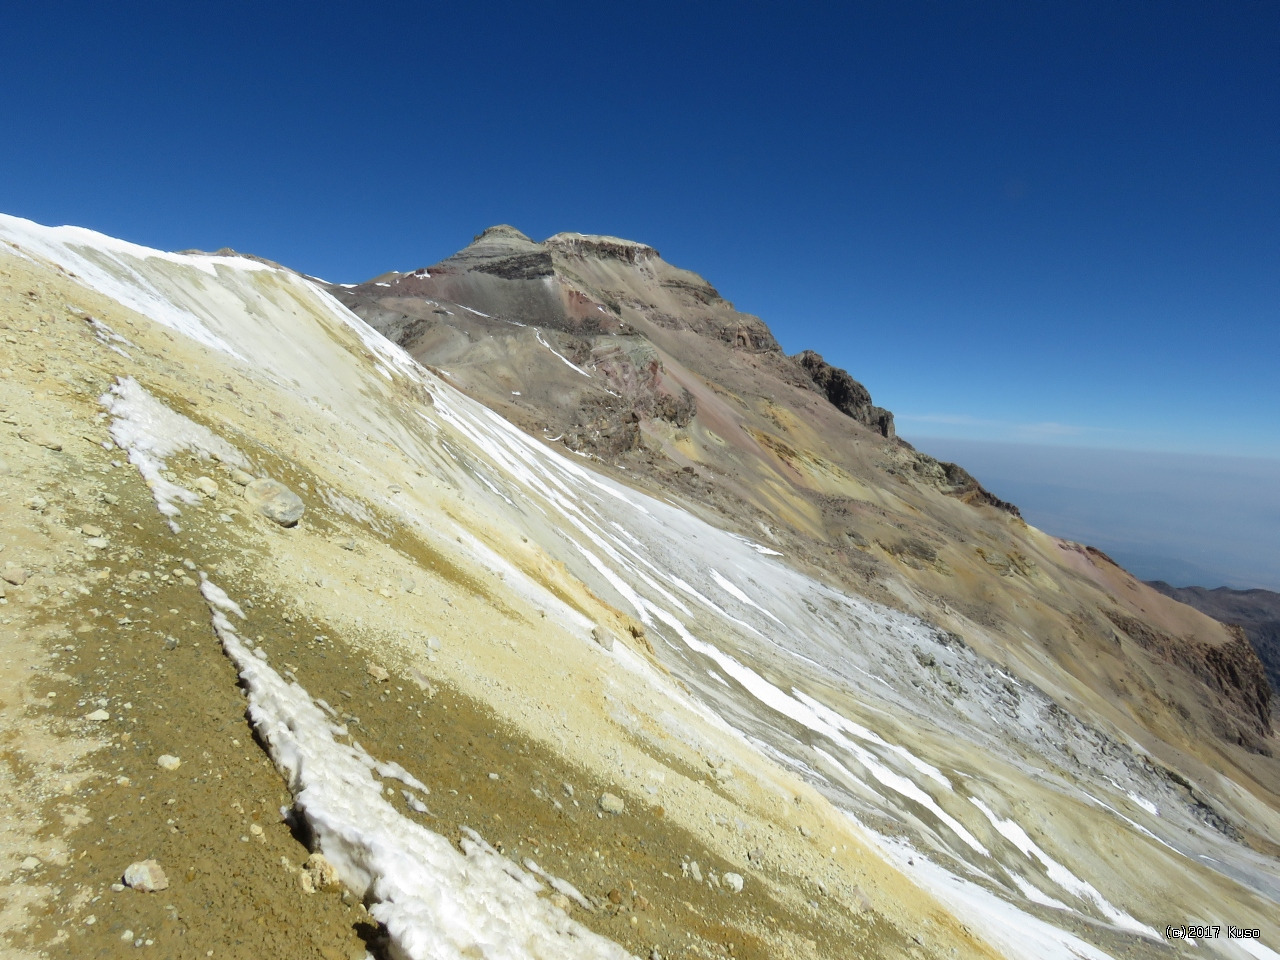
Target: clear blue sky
(1040, 220)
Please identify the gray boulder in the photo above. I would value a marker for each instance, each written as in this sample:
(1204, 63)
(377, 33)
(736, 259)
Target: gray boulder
(274, 500)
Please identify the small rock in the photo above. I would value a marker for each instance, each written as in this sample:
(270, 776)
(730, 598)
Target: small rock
(38, 504)
(127, 935)
(695, 871)
(733, 881)
(98, 543)
(611, 803)
(602, 636)
(275, 501)
(305, 881)
(568, 789)
(615, 895)
(560, 901)
(168, 762)
(323, 874)
(41, 439)
(378, 673)
(146, 876)
(170, 643)
(241, 478)
(31, 863)
(98, 716)
(206, 485)
(255, 829)
(91, 530)
(14, 574)
(348, 544)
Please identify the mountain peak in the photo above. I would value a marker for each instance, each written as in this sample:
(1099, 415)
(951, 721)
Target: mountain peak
(501, 231)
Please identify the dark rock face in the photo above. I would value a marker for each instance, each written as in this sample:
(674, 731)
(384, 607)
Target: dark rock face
(1232, 671)
(846, 393)
(1256, 611)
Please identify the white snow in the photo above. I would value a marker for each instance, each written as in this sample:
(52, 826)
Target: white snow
(121, 271)
(149, 432)
(1012, 931)
(1060, 875)
(436, 903)
(538, 334)
(729, 587)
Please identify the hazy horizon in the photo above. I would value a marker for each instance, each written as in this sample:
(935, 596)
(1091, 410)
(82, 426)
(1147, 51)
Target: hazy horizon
(1188, 519)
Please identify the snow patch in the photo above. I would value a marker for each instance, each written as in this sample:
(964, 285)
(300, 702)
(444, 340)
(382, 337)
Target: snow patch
(149, 432)
(436, 903)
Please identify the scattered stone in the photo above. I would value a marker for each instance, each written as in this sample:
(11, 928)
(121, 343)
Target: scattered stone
(305, 881)
(14, 574)
(41, 439)
(275, 501)
(146, 876)
(98, 716)
(695, 871)
(559, 901)
(240, 477)
(323, 874)
(348, 544)
(568, 789)
(37, 503)
(206, 485)
(170, 643)
(255, 829)
(733, 881)
(378, 673)
(127, 935)
(615, 895)
(602, 636)
(31, 863)
(91, 530)
(611, 803)
(98, 543)
(168, 762)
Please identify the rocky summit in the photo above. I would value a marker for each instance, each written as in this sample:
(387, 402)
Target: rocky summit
(536, 603)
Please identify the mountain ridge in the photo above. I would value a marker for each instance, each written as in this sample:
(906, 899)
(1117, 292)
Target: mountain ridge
(792, 701)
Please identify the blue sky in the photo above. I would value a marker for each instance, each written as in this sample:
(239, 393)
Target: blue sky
(1048, 221)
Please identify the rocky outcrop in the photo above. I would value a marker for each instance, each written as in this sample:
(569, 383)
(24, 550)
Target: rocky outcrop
(1231, 673)
(582, 245)
(955, 481)
(1256, 611)
(846, 393)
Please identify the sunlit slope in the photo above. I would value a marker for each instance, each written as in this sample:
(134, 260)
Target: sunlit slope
(722, 684)
(599, 345)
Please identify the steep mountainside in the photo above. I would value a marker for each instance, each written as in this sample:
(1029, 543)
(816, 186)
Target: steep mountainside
(307, 652)
(1257, 611)
(598, 344)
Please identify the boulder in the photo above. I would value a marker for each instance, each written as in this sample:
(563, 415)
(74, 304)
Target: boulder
(146, 876)
(275, 501)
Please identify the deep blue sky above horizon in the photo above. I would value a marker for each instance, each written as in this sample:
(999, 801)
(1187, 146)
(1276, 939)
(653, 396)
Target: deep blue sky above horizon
(1048, 221)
